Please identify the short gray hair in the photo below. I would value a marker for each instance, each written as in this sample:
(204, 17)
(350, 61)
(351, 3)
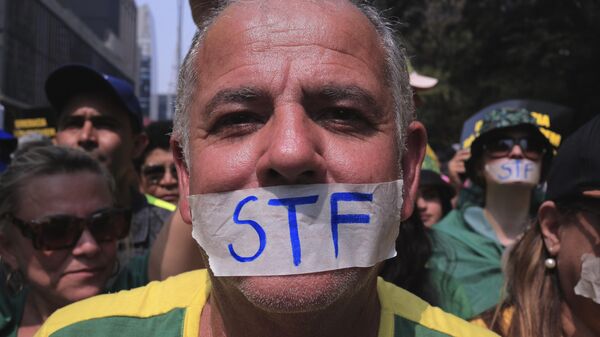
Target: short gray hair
(38, 161)
(396, 74)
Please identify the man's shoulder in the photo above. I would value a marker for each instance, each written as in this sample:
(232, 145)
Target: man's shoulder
(155, 209)
(404, 314)
(146, 222)
(156, 308)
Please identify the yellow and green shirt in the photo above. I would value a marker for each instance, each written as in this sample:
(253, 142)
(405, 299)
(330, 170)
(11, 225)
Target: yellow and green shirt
(173, 308)
(12, 306)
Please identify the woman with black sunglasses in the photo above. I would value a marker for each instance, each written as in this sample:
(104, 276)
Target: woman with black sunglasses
(58, 236)
(553, 272)
(508, 159)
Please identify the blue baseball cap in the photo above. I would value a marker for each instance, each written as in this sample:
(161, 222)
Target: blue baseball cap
(8, 143)
(5, 136)
(74, 79)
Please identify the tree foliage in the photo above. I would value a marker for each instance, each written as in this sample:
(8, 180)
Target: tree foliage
(484, 51)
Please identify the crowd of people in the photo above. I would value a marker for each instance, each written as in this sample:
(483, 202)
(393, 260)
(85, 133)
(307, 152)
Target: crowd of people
(119, 228)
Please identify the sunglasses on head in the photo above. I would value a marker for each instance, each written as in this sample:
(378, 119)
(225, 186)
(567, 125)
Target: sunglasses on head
(532, 147)
(63, 231)
(155, 173)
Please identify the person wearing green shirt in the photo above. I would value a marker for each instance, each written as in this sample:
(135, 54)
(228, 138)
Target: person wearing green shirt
(508, 159)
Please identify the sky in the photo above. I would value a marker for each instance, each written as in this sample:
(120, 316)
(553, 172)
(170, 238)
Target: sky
(164, 13)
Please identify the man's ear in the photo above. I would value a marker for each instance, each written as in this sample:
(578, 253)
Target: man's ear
(140, 141)
(183, 178)
(6, 252)
(549, 219)
(412, 157)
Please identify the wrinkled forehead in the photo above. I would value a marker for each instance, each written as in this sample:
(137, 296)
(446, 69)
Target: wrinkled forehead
(260, 25)
(105, 104)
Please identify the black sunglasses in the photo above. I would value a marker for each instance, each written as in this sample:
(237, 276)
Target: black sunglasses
(532, 147)
(155, 173)
(63, 231)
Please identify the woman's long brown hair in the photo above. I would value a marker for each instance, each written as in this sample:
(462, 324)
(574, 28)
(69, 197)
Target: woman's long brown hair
(532, 292)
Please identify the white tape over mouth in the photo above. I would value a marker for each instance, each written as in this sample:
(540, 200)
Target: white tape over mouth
(297, 229)
(508, 170)
(589, 283)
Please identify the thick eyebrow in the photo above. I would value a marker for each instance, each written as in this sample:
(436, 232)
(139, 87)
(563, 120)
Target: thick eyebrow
(235, 95)
(344, 92)
(67, 117)
(101, 118)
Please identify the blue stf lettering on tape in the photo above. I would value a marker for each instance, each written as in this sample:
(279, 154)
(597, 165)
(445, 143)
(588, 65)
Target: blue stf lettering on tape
(506, 168)
(518, 167)
(262, 237)
(338, 219)
(291, 204)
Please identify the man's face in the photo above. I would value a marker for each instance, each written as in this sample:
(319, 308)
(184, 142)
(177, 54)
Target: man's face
(96, 124)
(157, 176)
(291, 93)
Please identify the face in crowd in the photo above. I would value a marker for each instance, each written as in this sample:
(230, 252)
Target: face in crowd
(572, 231)
(159, 176)
(62, 261)
(512, 144)
(294, 95)
(97, 124)
(429, 205)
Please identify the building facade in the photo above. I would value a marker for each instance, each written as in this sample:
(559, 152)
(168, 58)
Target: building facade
(114, 22)
(37, 36)
(164, 106)
(147, 61)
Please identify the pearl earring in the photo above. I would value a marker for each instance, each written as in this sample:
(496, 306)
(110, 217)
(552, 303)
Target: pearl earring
(550, 263)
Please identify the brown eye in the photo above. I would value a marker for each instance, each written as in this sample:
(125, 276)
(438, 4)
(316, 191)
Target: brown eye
(237, 124)
(345, 120)
(105, 123)
(72, 122)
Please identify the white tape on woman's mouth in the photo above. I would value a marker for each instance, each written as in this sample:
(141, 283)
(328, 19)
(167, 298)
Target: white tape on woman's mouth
(509, 171)
(589, 283)
(297, 229)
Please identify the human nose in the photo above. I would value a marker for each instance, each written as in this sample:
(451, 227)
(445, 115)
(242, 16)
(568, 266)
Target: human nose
(87, 136)
(86, 245)
(168, 179)
(516, 152)
(293, 153)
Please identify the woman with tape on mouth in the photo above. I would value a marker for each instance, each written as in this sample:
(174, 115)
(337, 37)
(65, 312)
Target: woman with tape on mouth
(508, 159)
(553, 272)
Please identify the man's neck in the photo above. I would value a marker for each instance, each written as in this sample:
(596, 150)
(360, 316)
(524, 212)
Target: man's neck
(37, 309)
(507, 210)
(358, 316)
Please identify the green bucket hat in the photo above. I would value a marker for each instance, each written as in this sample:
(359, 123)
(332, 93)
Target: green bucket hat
(501, 120)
